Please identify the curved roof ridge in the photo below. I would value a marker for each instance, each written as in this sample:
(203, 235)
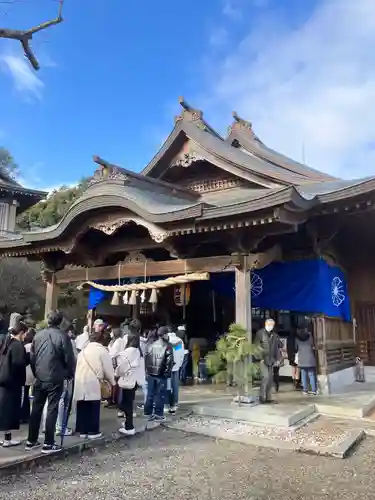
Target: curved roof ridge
(246, 138)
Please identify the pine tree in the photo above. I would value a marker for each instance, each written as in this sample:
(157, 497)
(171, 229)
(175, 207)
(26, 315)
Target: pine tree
(232, 359)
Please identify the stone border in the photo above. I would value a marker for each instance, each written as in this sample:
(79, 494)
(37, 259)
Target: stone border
(340, 450)
(33, 460)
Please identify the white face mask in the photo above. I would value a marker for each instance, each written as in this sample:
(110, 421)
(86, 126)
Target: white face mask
(269, 328)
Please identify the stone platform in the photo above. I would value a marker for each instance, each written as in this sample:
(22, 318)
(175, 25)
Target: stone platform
(280, 415)
(293, 408)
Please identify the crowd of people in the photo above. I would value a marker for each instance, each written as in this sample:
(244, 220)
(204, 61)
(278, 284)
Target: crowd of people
(43, 374)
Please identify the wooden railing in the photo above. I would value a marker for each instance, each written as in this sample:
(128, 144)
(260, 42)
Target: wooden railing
(335, 342)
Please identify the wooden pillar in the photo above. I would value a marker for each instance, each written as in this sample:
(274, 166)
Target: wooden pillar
(243, 313)
(52, 293)
(243, 296)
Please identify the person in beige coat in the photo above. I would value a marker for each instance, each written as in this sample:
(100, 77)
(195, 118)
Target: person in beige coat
(94, 364)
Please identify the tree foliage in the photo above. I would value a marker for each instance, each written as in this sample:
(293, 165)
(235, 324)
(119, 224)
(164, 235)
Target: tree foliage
(8, 167)
(50, 211)
(21, 286)
(232, 359)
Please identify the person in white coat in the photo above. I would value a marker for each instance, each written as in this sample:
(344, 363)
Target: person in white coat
(128, 372)
(94, 365)
(178, 358)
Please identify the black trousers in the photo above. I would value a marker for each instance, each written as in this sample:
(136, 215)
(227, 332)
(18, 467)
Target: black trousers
(88, 417)
(276, 377)
(44, 391)
(127, 397)
(25, 408)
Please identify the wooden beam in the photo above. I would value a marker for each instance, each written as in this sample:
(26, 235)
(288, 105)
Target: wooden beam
(161, 268)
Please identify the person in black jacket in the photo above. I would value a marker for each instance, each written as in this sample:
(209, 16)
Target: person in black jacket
(270, 344)
(158, 364)
(52, 362)
(12, 379)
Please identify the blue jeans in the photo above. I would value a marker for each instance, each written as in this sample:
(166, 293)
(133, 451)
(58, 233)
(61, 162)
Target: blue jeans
(156, 388)
(308, 375)
(175, 386)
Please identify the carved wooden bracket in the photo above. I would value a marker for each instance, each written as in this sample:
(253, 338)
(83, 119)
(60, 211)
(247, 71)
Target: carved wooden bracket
(187, 159)
(136, 257)
(156, 233)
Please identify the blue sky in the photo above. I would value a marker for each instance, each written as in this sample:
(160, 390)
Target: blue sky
(301, 71)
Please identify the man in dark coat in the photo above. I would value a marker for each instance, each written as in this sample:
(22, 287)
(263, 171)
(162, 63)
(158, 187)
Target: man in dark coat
(12, 379)
(270, 343)
(52, 362)
(158, 363)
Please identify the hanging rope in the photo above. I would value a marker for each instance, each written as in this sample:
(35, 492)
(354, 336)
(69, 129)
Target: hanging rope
(176, 280)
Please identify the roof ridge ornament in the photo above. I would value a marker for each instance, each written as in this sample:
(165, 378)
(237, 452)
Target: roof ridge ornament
(106, 172)
(241, 122)
(188, 112)
(241, 125)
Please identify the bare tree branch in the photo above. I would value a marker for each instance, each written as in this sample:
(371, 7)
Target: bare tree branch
(25, 36)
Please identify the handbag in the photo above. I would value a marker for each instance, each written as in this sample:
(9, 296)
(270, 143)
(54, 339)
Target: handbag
(105, 386)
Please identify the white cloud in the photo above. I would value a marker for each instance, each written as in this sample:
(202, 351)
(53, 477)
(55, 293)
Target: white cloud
(218, 37)
(25, 79)
(310, 87)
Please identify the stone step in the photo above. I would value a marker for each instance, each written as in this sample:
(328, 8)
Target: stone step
(280, 415)
(348, 408)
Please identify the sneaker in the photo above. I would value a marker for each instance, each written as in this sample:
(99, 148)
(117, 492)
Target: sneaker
(68, 432)
(149, 417)
(120, 414)
(305, 393)
(50, 448)
(9, 443)
(172, 410)
(127, 432)
(83, 436)
(95, 436)
(32, 446)
(158, 418)
(140, 406)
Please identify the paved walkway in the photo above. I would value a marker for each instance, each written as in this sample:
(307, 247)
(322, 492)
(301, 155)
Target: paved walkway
(166, 464)
(191, 396)
(110, 423)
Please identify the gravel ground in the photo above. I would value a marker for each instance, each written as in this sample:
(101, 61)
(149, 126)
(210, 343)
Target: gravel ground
(168, 464)
(320, 432)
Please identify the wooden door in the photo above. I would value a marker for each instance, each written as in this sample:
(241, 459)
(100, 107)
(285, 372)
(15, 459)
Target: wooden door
(364, 313)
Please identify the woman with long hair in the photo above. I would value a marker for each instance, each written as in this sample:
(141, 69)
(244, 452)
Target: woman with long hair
(12, 379)
(128, 373)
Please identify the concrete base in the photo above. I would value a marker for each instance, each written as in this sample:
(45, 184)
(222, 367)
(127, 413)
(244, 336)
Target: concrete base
(352, 403)
(335, 382)
(281, 415)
